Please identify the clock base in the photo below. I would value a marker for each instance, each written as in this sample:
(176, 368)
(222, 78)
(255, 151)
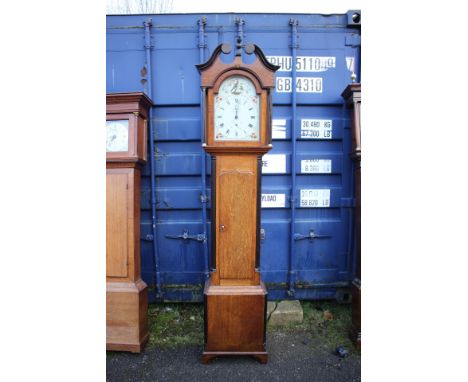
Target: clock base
(126, 316)
(208, 356)
(235, 321)
(135, 348)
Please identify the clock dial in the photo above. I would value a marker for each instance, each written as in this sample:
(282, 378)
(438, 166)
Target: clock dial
(117, 135)
(237, 111)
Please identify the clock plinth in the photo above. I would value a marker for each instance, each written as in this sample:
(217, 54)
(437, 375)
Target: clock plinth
(237, 134)
(127, 318)
(126, 292)
(235, 321)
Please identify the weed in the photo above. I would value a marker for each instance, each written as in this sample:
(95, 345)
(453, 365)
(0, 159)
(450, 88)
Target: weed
(328, 321)
(175, 324)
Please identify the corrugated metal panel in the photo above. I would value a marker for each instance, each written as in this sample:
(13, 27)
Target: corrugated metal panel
(327, 49)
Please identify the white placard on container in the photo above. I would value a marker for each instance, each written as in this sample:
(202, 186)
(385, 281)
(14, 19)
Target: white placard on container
(304, 63)
(315, 198)
(350, 63)
(316, 128)
(303, 84)
(274, 164)
(316, 166)
(273, 200)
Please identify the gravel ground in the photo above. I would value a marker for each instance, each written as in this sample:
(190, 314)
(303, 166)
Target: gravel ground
(292, 357)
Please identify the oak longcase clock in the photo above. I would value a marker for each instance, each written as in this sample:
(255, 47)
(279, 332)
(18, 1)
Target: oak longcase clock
(237, 134)
(126, 292)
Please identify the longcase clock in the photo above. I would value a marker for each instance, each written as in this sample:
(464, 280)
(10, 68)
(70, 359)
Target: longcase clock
(126, 292)
(352, 97)
(237, 134)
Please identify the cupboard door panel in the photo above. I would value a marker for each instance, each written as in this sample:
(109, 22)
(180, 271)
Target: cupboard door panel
(117, 221)
(237, 221)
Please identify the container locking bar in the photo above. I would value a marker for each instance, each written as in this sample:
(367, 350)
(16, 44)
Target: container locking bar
(311, 236)
(185, 236)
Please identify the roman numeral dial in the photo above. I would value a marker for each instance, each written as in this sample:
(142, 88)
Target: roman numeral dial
(236, 110)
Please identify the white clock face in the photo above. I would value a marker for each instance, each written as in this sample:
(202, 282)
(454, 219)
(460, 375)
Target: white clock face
(117, 135)
(237, 108)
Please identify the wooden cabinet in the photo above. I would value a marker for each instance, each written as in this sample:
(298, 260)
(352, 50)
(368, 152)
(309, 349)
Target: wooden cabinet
(238, 133)
(352, 96)
(126, 292)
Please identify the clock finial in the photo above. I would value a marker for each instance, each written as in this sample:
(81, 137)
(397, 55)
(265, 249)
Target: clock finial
(239, 46)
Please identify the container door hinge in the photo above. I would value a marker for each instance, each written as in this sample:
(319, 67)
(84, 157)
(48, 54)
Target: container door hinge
(203, 198)
(262, 233)
(201, 237)
(311, 236)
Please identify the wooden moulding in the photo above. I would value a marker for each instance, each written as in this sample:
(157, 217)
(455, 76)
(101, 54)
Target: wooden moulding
(261, 68)
(235, 322)
(133, 107)
(124, 103)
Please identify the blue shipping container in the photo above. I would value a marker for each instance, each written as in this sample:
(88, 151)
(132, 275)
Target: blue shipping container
(307, 184)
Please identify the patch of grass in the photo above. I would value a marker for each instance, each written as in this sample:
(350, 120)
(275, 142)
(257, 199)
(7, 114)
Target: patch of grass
(334, 331)
(175, 324)
(331, 332)
(182, 324)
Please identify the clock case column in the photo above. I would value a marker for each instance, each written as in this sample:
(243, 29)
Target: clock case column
(126, 292)
(235, 297)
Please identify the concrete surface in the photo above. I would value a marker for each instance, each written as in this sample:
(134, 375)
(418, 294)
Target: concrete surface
(271, 306)
(287, 312)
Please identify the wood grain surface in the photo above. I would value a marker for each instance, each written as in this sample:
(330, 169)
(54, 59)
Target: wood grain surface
(126, 292)
(237, 185)
(235, 318)
(235, 298)
(116, 224)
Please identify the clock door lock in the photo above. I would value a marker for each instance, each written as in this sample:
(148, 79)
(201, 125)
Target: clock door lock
(222, 227)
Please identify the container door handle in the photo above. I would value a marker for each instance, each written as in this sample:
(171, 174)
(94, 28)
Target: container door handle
(311, 236)
(186, 236)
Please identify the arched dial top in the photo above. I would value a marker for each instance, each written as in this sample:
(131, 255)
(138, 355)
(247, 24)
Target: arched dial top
(236, 110)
